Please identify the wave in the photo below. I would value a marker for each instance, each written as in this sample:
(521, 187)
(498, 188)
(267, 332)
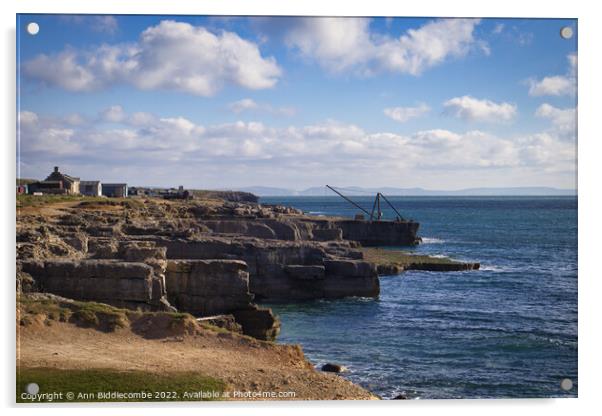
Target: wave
(432, 240)
(494, 268)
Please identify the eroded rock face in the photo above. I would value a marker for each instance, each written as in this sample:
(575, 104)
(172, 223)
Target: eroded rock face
(205, 258)
(208, 287)
(122, 284)
(281, 270)
(212, 287)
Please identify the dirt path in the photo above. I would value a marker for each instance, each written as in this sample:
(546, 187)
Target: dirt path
(245, 365)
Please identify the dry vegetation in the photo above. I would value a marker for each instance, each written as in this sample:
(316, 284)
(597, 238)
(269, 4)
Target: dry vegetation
(84, 347)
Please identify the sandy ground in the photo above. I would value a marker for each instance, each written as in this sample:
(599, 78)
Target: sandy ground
(244, 364)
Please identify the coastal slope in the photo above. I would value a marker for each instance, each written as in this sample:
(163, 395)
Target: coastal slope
(162, 346)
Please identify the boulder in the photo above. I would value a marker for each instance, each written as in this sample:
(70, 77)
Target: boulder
(334, 368)
(260, 323)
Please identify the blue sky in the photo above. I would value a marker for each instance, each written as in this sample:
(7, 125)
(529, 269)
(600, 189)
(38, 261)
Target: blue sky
(220, 102)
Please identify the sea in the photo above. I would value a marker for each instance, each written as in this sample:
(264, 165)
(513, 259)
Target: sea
(508, 330)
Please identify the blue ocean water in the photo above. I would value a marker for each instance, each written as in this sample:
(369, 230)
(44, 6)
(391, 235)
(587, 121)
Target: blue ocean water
(508, 330)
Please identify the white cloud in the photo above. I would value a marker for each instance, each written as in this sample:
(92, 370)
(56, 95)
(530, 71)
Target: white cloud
(105, 24)
(498, 28)
(243, 105)
(254, 151)
(249, 105)
(27, 117)
(557, 84)
(403, 114)
(561, 118)
(473, 109)
(113, 114)
(340, 44)
(169, 56)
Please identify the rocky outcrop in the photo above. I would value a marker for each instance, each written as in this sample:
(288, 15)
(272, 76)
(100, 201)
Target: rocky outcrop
(117, 283)
(281, 270)
(333, 368)
(260, 323)
(301, 228)
(203, 256)
(208, 287)
(443, 267)
(379, 233)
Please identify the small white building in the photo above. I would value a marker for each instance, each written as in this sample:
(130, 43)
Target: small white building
(90, 188)
(115, 190)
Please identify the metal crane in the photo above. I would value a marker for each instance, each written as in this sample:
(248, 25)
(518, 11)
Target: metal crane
(375, 206)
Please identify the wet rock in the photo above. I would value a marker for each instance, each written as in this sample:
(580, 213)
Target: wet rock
(389, 269)
(334, 368)
(443, 267)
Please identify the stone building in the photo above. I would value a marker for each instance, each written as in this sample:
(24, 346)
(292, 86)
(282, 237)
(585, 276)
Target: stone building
(56, 183)
(70, 183)
(46, 187)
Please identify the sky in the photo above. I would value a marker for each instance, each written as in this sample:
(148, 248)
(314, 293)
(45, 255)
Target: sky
(295, 102)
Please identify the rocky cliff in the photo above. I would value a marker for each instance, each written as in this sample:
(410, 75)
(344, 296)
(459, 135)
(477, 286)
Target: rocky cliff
(205, 256)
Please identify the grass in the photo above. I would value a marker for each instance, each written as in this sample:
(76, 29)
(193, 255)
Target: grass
(384, 256)
(89, 314)
(86, 384)
(25, 201)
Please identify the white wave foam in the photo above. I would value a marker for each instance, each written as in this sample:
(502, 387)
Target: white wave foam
(432, 240)
(492, 268)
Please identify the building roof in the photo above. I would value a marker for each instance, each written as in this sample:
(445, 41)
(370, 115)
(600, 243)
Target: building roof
(89, 182)
(58, 176)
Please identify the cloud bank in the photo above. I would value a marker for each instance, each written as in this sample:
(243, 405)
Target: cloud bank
(171, 56)
(341, 44)
(252, 152)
